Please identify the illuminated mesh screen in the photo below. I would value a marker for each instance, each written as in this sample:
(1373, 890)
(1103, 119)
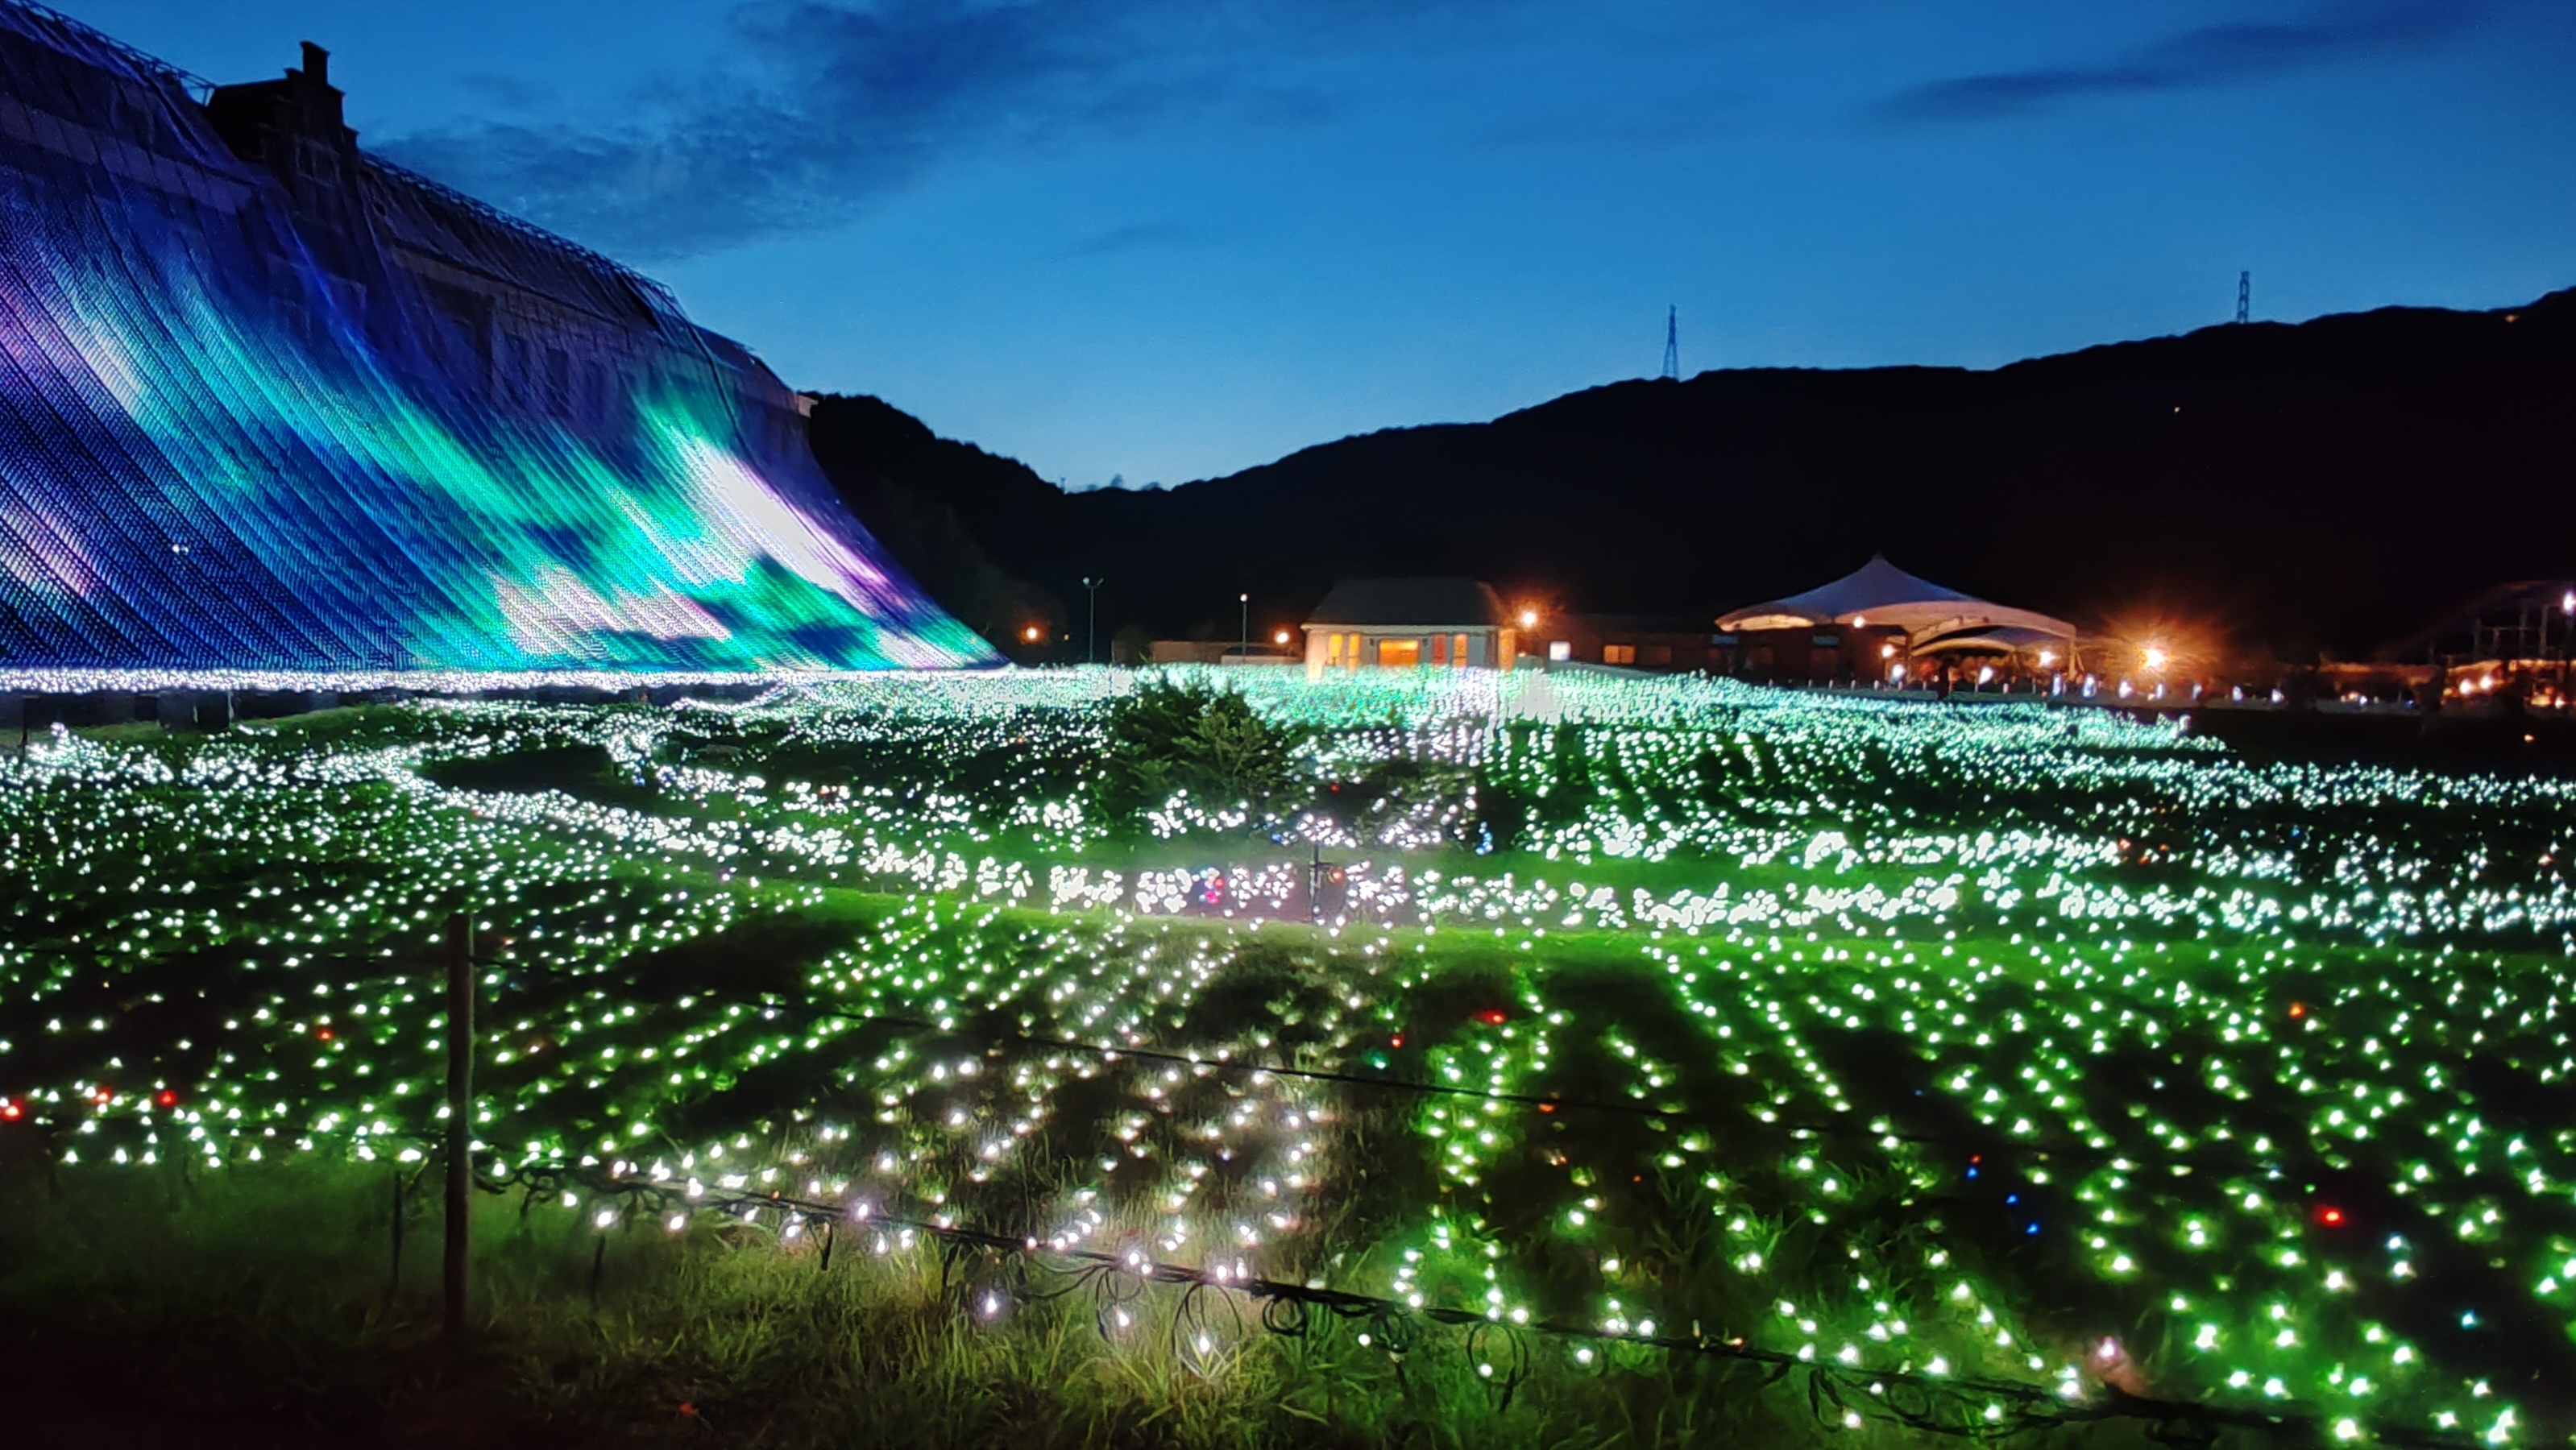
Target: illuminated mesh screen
(306, 410)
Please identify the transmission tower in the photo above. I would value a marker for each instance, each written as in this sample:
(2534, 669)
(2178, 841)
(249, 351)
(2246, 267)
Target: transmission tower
(2244, 296)
(1673, 343)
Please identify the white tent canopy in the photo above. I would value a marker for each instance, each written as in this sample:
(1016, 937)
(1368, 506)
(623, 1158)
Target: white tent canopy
(2007, 639)
(1880, 593)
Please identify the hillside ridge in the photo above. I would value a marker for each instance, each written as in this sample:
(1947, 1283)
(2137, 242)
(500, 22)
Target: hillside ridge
(2302, 488)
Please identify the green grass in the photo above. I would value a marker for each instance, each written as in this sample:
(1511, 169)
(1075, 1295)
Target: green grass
(1904, 1045)
(270, 1292)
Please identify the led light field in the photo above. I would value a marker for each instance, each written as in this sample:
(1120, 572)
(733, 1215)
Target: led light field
(1980, 1066)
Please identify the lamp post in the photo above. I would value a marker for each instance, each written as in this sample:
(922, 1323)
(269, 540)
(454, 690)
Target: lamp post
(1243, 646)
(1091, 631)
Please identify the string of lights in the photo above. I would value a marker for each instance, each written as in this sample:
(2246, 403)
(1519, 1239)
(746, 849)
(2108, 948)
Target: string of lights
(1843, 1395)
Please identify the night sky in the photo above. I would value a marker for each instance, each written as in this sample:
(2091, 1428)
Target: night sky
(1164, 241)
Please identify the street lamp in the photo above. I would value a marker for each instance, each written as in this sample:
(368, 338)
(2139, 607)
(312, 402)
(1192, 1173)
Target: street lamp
(1244, 645)
(1091, 631)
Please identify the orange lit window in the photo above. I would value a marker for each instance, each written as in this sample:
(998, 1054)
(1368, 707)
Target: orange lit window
(1458, 649)
(1618, 654)
(1440, 649)
(1399, 651)
(1351, 650)
(1332, 654)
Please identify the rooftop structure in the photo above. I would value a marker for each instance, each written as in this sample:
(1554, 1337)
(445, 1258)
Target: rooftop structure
(1410, 622)
(1879, 593)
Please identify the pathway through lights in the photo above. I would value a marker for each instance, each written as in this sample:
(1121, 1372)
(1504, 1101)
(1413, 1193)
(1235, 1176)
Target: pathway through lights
(2308, 949)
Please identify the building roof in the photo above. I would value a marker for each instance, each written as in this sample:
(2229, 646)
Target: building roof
(1432, 603)
(1880, 593)
(2011, 639)
(2523, 602)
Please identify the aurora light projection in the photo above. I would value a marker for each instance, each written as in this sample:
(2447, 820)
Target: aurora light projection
(268, 402)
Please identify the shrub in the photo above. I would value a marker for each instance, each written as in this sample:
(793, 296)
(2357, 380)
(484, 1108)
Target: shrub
(1170, 737)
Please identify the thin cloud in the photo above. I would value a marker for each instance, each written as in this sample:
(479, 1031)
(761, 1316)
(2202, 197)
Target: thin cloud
(814, 109)
(822, 108)
(2195, 59)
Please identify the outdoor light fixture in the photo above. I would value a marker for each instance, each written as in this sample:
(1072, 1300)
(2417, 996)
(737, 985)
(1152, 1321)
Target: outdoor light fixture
(1030, 634)
(1280, 638)
(2155, 656)
(2047, 657)
(1529, 619)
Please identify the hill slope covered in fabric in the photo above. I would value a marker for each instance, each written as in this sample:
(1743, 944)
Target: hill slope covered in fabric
(269, 402)
(2318, 486)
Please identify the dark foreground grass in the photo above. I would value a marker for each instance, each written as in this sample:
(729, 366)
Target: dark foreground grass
(268, 1295)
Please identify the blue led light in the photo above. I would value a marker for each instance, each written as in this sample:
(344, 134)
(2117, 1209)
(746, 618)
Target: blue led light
(337, 416)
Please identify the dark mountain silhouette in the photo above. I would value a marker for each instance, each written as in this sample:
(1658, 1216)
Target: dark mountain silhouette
(2314, 487)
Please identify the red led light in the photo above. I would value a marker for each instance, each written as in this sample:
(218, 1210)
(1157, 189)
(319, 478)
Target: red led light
(9, 1112)
(1492, 1017)
(2330, 1217)
(165, 1097)
(324, 1034)
(1396, 1041)
(2298, 1009)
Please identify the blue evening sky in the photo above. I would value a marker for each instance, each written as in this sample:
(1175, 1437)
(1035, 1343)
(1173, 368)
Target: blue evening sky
(1166, 239)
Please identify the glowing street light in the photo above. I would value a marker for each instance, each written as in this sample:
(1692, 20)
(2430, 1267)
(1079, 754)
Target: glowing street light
(2155, 657)
(1030, 634)
(1529, 619)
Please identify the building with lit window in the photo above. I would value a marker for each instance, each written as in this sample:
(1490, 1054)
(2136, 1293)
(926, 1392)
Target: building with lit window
(1657, 644)
(1410, 624)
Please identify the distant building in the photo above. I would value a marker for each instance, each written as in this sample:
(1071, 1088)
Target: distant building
(1217, 652)
(1652, 642)
(2512, 641)
(2530, 620)
(1410, 624)
(1881, 624)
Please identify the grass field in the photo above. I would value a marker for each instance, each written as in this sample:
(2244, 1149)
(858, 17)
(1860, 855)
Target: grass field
(942, 1058)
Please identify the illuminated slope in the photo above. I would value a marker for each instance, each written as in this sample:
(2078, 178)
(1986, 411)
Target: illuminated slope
(265, 401)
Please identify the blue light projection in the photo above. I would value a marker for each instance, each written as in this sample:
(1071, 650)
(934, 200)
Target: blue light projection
(268, 402)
